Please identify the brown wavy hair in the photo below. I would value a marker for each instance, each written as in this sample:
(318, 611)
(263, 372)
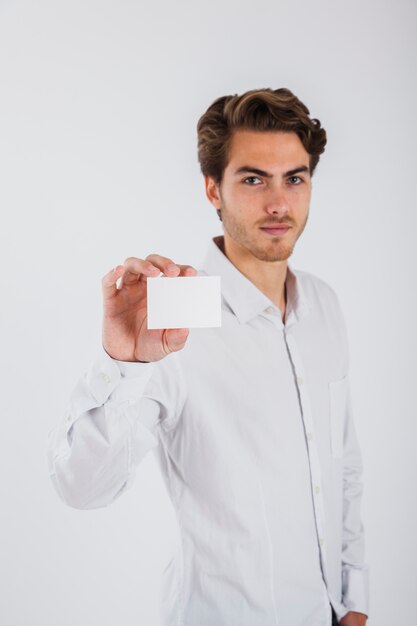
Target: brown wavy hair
(259, 109)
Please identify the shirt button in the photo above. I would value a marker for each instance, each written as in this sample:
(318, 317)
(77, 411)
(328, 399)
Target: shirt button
(68, 417)
(321, 541)
(105, 377)
(299, 380)
(317, 489)
(309, 436)
(270, 309)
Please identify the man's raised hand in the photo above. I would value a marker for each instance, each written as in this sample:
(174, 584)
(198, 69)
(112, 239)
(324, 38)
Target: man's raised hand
(125, 333)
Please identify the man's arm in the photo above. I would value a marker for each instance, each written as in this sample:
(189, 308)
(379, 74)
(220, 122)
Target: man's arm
(109, 426)
(355, 576)
(355, 572)
(106, 431)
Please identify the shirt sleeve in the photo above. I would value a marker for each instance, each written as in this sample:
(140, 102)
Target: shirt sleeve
(355, 571)
(109, 426)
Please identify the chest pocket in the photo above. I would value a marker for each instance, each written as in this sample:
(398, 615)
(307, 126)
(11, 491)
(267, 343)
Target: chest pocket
(338, 390)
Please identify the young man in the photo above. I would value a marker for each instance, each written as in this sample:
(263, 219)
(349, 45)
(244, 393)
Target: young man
(251, 422)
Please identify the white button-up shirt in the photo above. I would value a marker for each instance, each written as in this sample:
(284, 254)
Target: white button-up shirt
(252, 427)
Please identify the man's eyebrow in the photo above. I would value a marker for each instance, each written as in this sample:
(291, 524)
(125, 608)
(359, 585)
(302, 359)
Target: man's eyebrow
(246, 169)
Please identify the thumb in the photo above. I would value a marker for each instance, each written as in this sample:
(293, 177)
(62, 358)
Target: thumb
(109, 282)
(175, 338)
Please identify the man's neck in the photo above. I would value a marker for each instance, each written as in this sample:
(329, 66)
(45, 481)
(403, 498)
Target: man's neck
(268, 277)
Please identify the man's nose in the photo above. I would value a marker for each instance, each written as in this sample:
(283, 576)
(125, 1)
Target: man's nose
(276, 202)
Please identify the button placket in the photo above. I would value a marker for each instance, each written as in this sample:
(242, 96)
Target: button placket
(314, 465)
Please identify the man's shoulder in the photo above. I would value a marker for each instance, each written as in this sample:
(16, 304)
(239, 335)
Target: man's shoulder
(313, 283)
(317, 291)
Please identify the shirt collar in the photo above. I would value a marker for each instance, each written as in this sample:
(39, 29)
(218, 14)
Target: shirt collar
(243, 297)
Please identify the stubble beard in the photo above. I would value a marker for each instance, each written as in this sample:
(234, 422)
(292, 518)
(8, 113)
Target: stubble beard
(272, 250)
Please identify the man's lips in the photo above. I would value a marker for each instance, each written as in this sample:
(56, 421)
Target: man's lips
(276, 228)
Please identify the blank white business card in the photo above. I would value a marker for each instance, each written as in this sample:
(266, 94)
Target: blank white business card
(184, 302)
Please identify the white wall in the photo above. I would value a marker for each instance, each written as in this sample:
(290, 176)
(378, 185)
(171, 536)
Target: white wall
(98, 107)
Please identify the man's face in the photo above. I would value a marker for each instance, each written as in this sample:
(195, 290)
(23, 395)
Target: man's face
(266, 183)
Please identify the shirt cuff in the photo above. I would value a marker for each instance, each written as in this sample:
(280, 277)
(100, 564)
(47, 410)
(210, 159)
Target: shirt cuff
(355, 589)
(129, 369)
(108, 378)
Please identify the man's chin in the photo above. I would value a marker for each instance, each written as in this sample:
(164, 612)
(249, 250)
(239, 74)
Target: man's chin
(271, 256)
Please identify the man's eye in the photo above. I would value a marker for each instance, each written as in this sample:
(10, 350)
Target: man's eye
(252, 178)
(293, 180)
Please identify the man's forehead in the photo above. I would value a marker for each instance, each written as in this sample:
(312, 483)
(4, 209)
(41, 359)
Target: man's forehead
(266, 150)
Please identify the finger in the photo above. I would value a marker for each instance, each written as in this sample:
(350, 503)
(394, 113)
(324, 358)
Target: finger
(187, 270)
(135, 268)
(174, 339)
(169, 268)
(109, 281)
(165, 264)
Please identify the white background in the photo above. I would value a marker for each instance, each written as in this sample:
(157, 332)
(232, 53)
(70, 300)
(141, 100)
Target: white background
(98, 107)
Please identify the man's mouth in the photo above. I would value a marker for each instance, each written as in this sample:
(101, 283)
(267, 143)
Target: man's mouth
(277, 229)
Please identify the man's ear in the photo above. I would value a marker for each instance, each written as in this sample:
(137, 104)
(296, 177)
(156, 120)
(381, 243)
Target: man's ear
(212, 191)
